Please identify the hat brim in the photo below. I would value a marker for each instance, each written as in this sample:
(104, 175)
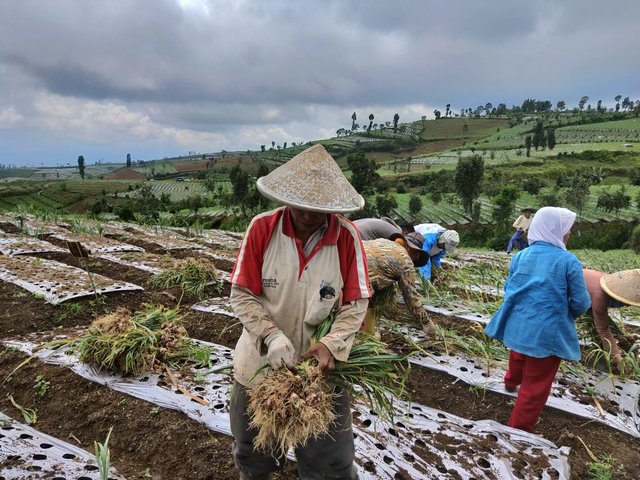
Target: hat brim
(424, 256)
(271, 195)
(528, 209)
(623, 286)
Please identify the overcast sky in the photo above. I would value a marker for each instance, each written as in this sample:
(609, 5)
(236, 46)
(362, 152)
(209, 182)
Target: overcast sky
(158, 78)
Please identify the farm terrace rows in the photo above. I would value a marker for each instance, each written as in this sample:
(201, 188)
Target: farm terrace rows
(451, 430)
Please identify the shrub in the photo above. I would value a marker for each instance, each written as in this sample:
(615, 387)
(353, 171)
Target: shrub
(635, 239)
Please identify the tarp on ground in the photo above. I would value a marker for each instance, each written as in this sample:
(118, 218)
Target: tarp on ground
(13, 245)
(421, 443)
(27, 453)
(56, 282)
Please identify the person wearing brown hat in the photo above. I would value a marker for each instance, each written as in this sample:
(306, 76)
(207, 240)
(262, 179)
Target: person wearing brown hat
(385, 227)
(611, 290)
(296, 265)
(522, 223)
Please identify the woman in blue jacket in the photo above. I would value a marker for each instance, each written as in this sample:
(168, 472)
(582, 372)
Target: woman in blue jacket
(544, 293)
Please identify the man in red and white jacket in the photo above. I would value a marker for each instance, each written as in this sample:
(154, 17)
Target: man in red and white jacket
(295, 266)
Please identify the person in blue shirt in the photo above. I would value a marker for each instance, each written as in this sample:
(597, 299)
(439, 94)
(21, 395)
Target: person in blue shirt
(438, 241)
(544, 293)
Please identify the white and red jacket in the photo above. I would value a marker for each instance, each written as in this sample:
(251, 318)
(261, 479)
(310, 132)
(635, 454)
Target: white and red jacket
(276, 286)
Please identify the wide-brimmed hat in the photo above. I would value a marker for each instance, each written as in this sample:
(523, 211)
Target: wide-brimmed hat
(312, 180)
(451, 239)
(528, 209)
(623, 286)
(415, 241)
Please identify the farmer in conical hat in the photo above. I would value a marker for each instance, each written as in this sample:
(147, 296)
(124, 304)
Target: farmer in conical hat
(521, 225)
(296, 265)
(611, 290)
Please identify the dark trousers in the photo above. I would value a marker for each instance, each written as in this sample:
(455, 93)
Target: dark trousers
(328, 457)
(517, 241)
(535, 376)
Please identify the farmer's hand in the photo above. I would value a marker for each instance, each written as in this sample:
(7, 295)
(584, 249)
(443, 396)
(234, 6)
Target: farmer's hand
(428, 328)
(619, 361)
(280, 351)
(323, 356)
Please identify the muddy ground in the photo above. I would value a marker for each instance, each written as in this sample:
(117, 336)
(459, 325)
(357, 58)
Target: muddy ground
(165, 444)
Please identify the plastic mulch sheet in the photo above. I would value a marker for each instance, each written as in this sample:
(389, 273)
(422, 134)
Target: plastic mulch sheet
(10, 246)
(218, 305)
(27, 453)
(421, 443)
(148, 262)
(167, 241)
(97, 244)
(593, 396)
(459, 311)
(219, 239)
(56, 282)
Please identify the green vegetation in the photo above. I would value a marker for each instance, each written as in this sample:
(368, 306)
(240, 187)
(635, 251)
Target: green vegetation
(587, 159)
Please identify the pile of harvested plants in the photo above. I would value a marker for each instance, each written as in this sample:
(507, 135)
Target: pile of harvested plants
(290, 407)
(190, 275)
(145, 341)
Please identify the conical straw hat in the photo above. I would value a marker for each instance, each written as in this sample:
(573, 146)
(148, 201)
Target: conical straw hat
(312, 180)
(623, 286)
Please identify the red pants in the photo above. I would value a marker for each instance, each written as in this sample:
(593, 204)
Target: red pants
(535, 376)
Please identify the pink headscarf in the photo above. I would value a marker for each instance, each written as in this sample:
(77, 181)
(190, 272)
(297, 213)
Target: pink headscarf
(551, 224)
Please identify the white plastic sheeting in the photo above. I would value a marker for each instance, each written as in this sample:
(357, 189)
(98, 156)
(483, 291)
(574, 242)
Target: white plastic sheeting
(10, 246)
(30, 454)
(422, 443)
(56, 282)
(219, 305)
(165, 239)
(96, 244)
(148, 262)
(618, 400)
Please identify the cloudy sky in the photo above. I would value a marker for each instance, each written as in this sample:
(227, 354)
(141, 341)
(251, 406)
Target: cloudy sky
(156, 78)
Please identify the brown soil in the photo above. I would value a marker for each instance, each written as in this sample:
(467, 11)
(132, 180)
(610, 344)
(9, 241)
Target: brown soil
(175, 447)
(124, 174)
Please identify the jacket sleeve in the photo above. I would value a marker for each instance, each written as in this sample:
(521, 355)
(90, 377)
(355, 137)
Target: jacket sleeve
(436, 259)
(579, 300)
(251, 313)
(412, 299)
(348, 320)
(425, 271)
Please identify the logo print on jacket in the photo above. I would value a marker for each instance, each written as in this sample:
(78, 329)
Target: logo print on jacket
(270, 283)
(327, 292)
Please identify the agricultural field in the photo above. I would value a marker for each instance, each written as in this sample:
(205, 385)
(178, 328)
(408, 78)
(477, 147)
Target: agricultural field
(449, 210)
(171, 423)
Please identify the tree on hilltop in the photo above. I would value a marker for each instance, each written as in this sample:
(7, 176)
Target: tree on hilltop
(128, 160)
(371, 117)
(468, 180)
(583, 101)
(81, 166)
(396, 118)
(354, 117)
(363, 171)
(539, 139)
(617, 99)
(415, 205)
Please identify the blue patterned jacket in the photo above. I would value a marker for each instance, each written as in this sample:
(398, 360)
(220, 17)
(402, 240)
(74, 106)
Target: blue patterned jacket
(544, 294)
